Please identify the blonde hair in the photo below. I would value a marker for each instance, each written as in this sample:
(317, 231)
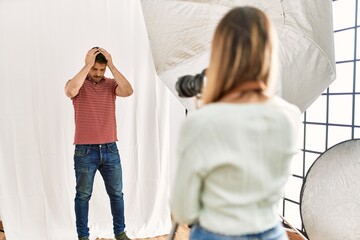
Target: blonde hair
(242, 51)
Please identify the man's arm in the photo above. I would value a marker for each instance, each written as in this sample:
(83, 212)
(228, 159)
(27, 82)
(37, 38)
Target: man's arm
(73, 86)
(124, 88)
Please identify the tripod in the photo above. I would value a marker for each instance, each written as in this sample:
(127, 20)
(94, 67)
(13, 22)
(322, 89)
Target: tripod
(173, 231)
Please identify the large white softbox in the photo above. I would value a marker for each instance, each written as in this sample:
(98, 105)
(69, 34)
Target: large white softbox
(181, 31)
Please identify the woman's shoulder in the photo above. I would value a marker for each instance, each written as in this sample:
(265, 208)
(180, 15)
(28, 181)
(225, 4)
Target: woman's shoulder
(204, 115)
(286, 114)
(284, 105)
(198, 122)
(196, 118)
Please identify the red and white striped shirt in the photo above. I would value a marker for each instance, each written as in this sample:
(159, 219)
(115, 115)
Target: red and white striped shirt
(94, 107)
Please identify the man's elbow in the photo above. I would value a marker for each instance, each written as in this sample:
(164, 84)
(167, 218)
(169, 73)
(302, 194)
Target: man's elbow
(125, 93)
(130, 92)
(70, 92)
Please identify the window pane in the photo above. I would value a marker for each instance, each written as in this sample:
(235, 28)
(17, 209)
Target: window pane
(344, 78)
(317, 111)
(281, 207)
(338, 134)
(358, 44)
(310, 158)
(293, 188)
(357, 133)
(301, 133)
(292, 214)
(315, 137)
(357, 110)
(297, 164)
(344, 45)
(357, 84)
(340, 109)
(341, 9)
(358, 11)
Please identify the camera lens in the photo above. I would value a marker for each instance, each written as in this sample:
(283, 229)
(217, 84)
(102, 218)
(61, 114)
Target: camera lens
(189, 86)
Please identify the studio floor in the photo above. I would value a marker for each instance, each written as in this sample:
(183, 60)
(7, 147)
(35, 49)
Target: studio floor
(182, 233)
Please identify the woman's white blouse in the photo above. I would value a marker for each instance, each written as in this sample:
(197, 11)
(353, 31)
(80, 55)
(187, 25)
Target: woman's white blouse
(233, 164)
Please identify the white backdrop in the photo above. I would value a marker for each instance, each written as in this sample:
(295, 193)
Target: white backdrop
(43, 44)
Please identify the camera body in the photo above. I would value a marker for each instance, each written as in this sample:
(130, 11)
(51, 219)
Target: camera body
(189, 86)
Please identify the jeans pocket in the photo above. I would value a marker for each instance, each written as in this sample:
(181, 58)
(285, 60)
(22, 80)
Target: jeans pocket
(113, 148)
(81, 151)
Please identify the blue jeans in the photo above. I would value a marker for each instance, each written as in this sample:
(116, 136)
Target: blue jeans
(87, 160)
(275, 233)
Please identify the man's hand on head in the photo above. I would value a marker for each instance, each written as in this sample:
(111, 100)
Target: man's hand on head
(91, 55)
(107, 56)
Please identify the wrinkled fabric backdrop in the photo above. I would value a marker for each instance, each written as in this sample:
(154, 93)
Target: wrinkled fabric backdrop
(43, 44)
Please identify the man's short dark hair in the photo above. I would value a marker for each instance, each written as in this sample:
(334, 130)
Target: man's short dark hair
(100, 58)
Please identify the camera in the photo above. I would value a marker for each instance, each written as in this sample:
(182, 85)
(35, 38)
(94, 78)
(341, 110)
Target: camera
(189, 86)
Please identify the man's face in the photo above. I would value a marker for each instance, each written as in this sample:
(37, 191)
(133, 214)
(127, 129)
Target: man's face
(97, 71)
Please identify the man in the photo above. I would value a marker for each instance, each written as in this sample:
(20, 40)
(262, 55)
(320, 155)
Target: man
(93, 97)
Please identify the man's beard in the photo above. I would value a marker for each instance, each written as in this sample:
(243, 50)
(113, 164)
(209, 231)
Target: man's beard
(96, 78)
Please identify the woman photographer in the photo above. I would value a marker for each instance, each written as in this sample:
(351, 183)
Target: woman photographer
(234, 153)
